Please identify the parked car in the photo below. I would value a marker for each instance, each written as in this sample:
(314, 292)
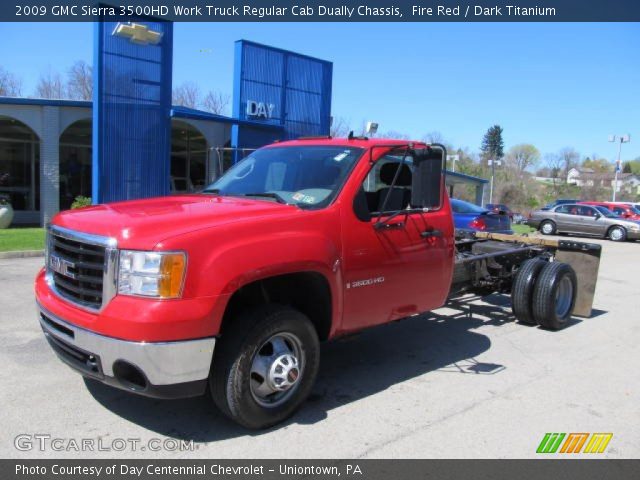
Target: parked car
(580, 219)
(500, 208)
(518, 218)
(560, 201)
(623, 210)
(467, 216)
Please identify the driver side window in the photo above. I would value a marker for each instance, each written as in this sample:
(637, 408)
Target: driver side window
(381, 197)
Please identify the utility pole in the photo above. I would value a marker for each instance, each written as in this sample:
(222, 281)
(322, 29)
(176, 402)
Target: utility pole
(492, 162)
(620, 139)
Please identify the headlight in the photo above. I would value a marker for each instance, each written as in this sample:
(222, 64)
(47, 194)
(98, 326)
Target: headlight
(151, 274)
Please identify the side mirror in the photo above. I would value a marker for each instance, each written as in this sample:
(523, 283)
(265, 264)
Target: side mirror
(426, 188)
(597, 216)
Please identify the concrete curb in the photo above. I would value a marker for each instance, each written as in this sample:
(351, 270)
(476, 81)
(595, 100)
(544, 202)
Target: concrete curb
(22, 254)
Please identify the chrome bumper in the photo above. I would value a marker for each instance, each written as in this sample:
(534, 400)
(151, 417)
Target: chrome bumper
(169, 369)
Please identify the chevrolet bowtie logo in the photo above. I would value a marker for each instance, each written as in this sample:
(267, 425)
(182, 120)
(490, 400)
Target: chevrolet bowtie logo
(138, 33)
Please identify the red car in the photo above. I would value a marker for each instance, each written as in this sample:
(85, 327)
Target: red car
(622, 210)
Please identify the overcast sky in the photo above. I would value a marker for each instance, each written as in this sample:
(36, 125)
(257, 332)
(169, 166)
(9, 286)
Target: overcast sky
(550, 84)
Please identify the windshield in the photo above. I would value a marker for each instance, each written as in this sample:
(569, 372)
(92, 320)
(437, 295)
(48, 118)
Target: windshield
(635, 209)
(460, 206)
(606, 212)
(308, 176)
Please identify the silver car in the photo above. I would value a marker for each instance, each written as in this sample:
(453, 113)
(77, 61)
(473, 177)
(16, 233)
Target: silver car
(584, 220)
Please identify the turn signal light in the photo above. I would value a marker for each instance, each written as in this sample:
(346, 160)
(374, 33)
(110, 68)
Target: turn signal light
(172, 268)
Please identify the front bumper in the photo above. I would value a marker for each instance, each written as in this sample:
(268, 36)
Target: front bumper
(633, 235)
(156, 369)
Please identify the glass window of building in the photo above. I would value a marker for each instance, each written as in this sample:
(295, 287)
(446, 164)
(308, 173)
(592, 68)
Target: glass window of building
(189, 155)
(75, 163)
(19, 164)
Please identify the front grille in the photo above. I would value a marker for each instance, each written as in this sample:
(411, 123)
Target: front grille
(87, 362)
(77, 266)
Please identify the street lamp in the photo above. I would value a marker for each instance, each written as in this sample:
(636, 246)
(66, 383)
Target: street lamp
(493, 164)
(620, 139)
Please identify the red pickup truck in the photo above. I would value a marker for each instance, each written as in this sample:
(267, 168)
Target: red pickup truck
(232, 289)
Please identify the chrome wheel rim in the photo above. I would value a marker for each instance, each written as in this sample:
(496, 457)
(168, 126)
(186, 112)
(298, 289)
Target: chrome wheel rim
(276, 369)
(564, 297)
(547, 228)
(616, 234)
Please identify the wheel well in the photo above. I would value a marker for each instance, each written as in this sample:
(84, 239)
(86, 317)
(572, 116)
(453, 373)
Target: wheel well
(307, 292)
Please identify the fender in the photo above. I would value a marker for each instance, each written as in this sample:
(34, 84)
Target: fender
(236, 255)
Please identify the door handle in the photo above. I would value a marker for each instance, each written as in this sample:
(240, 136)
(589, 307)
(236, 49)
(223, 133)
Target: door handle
(431, 233)
(388, 226)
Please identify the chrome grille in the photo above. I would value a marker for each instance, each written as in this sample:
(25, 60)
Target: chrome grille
(81, 267)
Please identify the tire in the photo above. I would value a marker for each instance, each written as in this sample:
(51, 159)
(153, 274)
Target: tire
(276, 341)
(554, 295)
(617, 234)
(522, 290)
(547, 227)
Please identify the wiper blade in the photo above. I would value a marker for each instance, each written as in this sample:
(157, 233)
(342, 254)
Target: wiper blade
(215, 191)
(276, 196)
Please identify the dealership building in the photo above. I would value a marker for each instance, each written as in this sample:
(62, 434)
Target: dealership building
(130, 142)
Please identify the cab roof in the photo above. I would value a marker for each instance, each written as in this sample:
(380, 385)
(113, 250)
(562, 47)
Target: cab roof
(359, 142)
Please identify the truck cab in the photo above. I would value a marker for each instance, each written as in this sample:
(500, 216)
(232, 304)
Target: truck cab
(232, 289)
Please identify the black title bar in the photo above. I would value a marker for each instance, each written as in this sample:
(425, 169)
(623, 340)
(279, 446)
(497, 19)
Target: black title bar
(319, 469)
(324, 10)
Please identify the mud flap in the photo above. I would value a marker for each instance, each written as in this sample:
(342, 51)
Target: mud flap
(584, 258)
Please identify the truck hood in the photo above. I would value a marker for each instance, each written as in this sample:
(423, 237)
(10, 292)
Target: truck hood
(142, 224)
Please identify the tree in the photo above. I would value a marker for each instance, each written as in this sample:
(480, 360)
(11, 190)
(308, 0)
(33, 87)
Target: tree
(598, 165)
(523, 156)
(50, 85)
(339, 127)
(10, 85)
(393, 134)
(626, 168)
(554, 164)
(492, 144)
(80, 81)
(433, 137)
(568, 159)
(216, 102)
(186, 95)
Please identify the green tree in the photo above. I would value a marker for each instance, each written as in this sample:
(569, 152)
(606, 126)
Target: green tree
(521, 157)
(598, 165)
(626, 168)
(492, 144)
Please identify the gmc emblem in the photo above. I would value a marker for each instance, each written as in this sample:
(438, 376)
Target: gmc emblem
(61, 266)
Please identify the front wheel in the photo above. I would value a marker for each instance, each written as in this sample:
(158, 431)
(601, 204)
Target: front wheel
(617, 234)
(548, 227)
(264, 366)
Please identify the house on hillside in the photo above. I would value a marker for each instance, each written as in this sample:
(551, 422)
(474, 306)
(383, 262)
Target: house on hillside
(586, 177)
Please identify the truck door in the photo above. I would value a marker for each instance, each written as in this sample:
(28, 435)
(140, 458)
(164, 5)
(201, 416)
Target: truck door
(398, 256)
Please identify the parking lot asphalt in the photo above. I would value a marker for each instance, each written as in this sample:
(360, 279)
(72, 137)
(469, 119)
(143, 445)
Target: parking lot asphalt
(462, 381)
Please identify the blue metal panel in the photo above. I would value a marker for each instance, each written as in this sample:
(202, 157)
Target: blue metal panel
(297, 89)
(131, 122)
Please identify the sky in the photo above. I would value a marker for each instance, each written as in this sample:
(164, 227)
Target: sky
(553, 85)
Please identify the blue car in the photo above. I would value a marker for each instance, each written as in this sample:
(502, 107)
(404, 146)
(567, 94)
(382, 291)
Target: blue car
(470, 217)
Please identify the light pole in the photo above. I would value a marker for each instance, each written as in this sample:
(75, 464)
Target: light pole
(620, 139)
(492, 162)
